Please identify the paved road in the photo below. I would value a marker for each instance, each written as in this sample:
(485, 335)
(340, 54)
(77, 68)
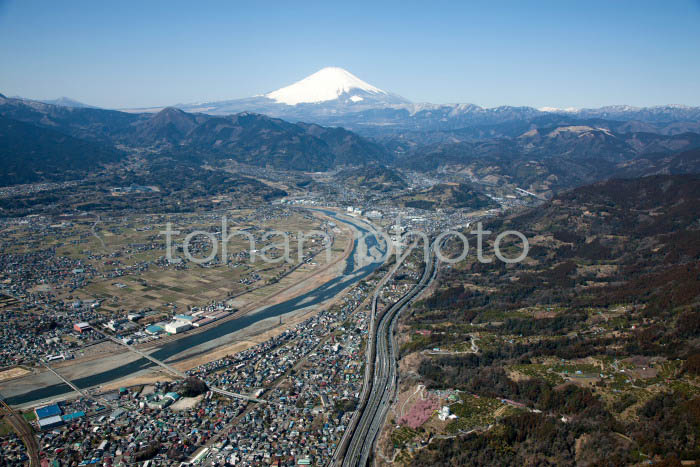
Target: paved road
(370, 352)
(77, 389)
(24, 431)
(179, 374)
(385, 376)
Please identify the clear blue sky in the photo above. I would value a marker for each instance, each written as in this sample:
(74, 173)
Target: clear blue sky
(560, 53)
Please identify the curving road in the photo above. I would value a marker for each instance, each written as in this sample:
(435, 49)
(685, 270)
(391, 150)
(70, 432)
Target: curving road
(24, 431)
(382, 385)
(200, 342)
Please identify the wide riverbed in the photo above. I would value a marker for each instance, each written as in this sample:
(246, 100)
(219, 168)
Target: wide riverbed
(353, 272)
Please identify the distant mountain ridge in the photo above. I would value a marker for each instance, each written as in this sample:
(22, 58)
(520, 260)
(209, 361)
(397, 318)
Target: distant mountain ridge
(260, 140)
(68, 102)
(371, 117)
(548, 159)
(31, 153)
(655, 114)
(62, 101)
(335, 97)
(245, 137)
(541, 150)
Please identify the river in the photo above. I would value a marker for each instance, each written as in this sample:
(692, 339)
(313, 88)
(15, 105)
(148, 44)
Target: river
(352, 273)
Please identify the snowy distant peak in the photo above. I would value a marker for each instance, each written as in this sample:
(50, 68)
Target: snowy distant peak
(67, 102)
(558, 110)
(659, 113)
(325, 85)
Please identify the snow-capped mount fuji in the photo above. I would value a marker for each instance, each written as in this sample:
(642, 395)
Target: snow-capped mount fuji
(326, 85)
(331, 91)
(335, 97)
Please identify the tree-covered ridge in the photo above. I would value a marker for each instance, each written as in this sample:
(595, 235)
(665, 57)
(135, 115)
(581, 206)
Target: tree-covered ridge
(447, 196)
(595, 334)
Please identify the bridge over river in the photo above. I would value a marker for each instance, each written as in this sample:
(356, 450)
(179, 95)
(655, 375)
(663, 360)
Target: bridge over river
(172, 351)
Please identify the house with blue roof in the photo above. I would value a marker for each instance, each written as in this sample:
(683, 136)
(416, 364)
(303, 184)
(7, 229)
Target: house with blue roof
(154, 329)
(47, 411)
(73, 416)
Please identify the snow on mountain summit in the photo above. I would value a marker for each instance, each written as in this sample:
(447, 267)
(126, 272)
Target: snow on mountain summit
(324, 85)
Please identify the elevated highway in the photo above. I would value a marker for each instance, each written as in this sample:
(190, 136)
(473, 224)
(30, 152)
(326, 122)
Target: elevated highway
(381, 387)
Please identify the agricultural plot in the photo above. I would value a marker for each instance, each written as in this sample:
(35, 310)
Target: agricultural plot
(123, 261)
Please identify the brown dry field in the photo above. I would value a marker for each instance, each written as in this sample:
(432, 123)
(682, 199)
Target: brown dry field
(12, 373)
(304, 279)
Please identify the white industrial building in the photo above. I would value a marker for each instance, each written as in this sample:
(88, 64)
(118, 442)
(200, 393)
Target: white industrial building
(177, 327)
(50, 422)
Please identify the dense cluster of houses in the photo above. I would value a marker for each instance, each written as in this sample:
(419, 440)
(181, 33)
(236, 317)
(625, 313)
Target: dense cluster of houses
(311, 376)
